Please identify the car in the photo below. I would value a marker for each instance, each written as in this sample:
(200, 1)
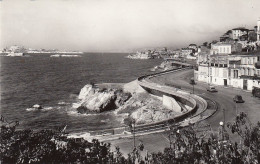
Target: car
(212, 89)
(238, 99)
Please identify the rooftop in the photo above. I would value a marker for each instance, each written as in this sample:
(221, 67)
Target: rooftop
(240, 28)
(245, 54)
(221, 44)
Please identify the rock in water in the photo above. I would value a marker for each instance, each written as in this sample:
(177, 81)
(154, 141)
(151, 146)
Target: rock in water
(85, 91)
(94, 100)
(37, 106)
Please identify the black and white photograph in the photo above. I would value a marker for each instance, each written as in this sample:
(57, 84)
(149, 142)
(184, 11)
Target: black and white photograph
(130, 81)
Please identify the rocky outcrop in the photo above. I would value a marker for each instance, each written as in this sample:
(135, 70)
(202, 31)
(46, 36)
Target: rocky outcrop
(96, 100)
(145, 108)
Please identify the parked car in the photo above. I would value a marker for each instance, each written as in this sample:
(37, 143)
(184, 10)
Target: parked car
(238, 99)
(212, 89)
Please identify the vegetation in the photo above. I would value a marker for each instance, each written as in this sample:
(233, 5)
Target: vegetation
(187, 145)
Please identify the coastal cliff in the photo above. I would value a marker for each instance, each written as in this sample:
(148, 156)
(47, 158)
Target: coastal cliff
(96, 100)
(128, 100)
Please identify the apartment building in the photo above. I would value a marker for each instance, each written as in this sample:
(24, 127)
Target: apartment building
(239, 71)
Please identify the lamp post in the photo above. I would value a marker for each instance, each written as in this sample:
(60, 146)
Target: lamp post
(133, 122)
(236, 107)
(224, 122)
(193, 88)
(222, 129)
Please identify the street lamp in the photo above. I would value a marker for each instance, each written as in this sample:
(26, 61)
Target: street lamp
(222, 128)
(236, 107)
(133, 122)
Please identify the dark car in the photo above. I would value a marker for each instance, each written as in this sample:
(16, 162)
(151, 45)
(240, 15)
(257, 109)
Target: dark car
(212, 89)
(238, 99)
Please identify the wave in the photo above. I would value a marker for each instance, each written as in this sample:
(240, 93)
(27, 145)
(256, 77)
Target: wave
(43, 109)
(63, 103)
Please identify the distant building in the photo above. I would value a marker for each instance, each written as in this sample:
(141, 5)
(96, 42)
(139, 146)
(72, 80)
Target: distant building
(193, 46)
(258, 30)
(187, 51)
(220, 48)
(240, 33)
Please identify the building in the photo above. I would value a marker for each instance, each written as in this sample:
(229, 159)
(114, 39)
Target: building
(193, 46)
(240, 33)
(221, 48)
(214, 71)
(186, 51)
(258, 30)
(239, 71)
(244, 71)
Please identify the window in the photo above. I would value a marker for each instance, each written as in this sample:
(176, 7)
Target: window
(225, 65)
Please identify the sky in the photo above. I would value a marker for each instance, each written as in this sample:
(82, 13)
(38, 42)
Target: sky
(120, 25)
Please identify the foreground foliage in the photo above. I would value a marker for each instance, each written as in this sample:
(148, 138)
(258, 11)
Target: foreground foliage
(187, 145)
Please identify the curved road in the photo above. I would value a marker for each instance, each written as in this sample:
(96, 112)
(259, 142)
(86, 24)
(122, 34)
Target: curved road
(224, 97)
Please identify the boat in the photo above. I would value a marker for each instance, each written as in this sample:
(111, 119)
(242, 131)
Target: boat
(15, 54)
(56, 55)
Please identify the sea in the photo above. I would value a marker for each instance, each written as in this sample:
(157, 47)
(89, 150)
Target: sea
(55, 82)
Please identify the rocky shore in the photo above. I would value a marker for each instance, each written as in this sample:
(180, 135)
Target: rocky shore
(139, 55)
(165, 65)
(129, 100)
(97, 100)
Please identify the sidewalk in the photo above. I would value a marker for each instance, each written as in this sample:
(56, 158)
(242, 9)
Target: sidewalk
(222, 86)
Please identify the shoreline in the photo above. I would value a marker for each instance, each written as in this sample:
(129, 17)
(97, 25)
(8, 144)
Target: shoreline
(124, 131)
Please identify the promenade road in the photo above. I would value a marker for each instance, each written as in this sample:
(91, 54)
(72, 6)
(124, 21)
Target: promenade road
(224, 98)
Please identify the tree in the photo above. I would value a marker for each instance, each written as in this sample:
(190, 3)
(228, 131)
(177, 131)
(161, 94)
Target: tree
(205, 44)
(252, 36)
(47, 146)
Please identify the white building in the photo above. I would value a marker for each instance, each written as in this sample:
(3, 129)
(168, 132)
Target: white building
(215, 71)
(239, 71)
(237, 33)
(220, 48)
(186, 51)
(258, 30)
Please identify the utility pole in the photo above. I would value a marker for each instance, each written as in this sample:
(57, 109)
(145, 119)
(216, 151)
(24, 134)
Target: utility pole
(208, 68)
(236, 107)
(134, 132)
(224, 117)
(134, 151)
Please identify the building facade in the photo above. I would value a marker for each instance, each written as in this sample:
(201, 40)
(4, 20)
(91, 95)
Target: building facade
(220, 48)
(239, 33)
(239, 71)
(258, 30)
